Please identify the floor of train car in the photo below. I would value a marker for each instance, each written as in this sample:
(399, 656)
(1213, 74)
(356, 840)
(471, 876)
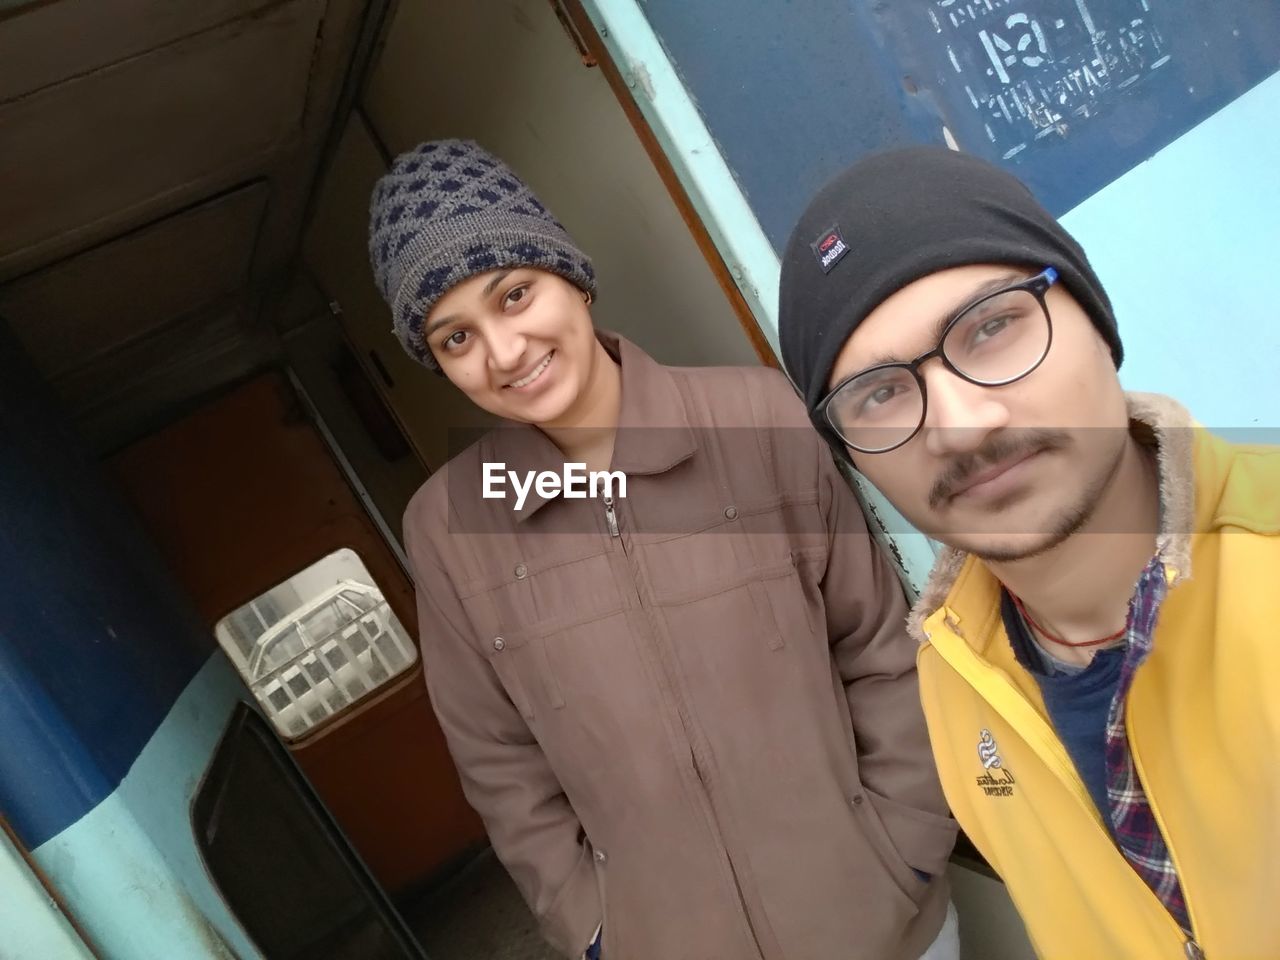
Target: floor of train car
(477, 915)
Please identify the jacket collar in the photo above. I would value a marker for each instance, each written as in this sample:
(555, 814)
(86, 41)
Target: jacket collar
(962, 583)
(654, 434)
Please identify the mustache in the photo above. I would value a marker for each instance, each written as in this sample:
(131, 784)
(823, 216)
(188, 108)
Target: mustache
(1002, 446)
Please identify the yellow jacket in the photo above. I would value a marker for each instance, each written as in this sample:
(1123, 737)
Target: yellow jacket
(1203, 717)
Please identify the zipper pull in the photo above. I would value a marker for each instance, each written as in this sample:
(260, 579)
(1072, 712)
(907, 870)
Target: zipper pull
(1193, 951)
(610, 517)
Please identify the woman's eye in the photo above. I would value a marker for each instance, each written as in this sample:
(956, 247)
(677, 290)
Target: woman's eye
(515, 296)
(454, 340)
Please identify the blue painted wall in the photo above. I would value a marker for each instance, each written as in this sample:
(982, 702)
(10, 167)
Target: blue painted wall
(1069, 94)
(96, 640)
(1186, 244)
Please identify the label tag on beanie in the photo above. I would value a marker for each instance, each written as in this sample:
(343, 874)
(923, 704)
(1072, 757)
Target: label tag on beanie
(829, 248)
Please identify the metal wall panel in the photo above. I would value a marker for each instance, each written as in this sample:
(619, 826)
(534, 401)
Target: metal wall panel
(98, 153)
(53, 41)
(84, 306)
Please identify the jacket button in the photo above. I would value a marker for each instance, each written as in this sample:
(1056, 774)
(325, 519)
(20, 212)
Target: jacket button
(857, 800)
(731, 513)
(521, 571)
(601, 856)
(499, 644)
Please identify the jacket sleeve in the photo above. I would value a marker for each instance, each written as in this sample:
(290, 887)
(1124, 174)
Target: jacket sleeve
(505, 776)
(876, 660)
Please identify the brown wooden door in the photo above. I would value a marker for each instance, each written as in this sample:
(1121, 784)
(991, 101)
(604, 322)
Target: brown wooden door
(242, 495)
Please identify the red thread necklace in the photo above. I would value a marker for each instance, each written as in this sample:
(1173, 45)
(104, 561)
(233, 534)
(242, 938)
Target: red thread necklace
(1110, 638)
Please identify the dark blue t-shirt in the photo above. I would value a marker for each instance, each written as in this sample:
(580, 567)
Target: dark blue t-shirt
(1078, 702)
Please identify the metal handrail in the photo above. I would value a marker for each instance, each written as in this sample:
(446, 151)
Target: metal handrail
(318, 643)
(347, 683)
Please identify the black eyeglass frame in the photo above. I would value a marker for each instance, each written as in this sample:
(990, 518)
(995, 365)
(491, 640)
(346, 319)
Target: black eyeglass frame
(1038, 286)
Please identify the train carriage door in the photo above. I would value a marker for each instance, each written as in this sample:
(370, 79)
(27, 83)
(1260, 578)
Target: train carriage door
(316, 612)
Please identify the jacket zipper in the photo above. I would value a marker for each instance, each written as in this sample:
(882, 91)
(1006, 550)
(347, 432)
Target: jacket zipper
(1191, 947)
(1050, 749)
(611, 521)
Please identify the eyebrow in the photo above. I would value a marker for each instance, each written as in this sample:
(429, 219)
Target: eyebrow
(489, 287)
(496, 279)
(994, 285)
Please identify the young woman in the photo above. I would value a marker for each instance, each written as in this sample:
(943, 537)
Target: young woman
(688, 714)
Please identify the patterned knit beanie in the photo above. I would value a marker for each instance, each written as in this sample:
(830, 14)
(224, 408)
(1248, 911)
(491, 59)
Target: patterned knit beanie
(447, 211)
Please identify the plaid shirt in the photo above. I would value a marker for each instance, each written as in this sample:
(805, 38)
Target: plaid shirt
(1136, 831)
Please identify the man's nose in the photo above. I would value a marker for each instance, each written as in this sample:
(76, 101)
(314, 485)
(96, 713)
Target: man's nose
(961, 415)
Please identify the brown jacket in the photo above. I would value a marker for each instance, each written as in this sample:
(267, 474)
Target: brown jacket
(704, 732)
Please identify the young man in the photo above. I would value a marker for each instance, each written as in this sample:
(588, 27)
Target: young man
(688, 714)
(1099, 664)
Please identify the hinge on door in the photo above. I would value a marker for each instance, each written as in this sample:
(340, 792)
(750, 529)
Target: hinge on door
(571, 28)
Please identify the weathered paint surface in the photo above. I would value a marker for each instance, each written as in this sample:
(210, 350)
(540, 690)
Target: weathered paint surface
(34, 928)
(680, 128)
(1069, 94)
(129, 868)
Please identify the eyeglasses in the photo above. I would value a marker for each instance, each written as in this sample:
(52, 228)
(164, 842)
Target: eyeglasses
(993, 341)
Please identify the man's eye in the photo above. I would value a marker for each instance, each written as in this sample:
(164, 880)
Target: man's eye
(878, 397)
(992, 327)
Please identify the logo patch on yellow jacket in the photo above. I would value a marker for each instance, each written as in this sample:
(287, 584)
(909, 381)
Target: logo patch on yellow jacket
(997, 779)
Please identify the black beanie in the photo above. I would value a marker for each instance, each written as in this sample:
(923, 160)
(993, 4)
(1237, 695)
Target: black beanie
(897, 216)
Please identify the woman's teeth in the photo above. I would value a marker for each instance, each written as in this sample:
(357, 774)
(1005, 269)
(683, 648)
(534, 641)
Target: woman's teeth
(533, 374)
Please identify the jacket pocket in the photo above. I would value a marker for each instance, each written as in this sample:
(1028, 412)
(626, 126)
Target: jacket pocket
(510, 654)
(923, 839)
(523, 616)
(904, 836)
(725, 591)
(793, 614)
(765, 614)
